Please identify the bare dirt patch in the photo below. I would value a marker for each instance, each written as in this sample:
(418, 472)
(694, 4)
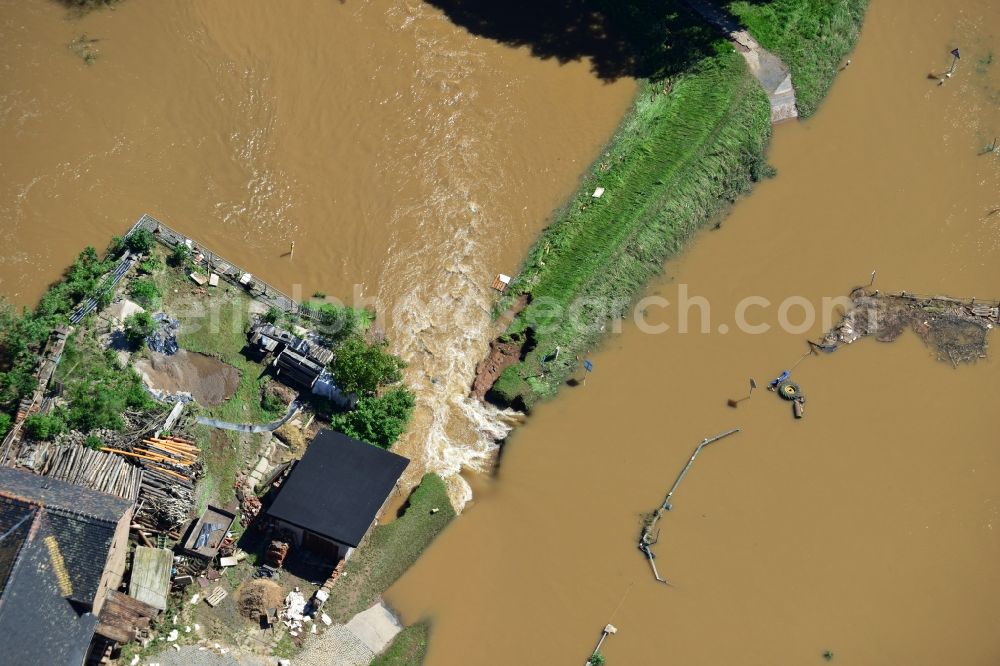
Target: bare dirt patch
(256, 596)
(209, 380)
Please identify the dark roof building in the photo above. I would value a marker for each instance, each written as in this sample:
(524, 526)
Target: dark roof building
(55, 566)
(338, 489)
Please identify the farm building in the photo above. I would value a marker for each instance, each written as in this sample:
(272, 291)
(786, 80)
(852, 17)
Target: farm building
(335, 493)
(62, 550)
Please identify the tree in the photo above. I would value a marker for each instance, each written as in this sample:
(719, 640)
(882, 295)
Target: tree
(138, 327)
(140, 242)
(378, 420)
(273, 315)
(144, 291)
(179, 255)
(339, 322)
(596, 659)
(361, 368)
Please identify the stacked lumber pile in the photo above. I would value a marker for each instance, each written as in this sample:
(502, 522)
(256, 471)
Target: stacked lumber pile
(96, 470)
(171, 466)
(82, 466)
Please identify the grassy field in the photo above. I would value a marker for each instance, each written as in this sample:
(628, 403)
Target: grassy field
(391, 550)
(811, 36)
(408, 648)
(686, 151)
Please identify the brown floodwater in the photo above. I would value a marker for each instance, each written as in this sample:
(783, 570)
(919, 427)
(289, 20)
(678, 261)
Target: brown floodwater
(871, 528)
(409, 162)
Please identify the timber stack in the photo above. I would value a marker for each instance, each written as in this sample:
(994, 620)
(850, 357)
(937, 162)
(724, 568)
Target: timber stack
(171, 466)
(82, 466)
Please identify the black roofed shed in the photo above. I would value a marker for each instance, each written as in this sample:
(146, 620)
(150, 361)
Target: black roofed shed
(336, 491)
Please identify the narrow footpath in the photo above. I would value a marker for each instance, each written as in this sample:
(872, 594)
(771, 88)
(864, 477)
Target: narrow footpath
(773, 75)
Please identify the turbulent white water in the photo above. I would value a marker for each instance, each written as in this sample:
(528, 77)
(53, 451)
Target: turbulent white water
(442, 327)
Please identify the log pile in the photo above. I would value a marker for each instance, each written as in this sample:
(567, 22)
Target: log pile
(83, 466)
(96, 470)
(171, 466)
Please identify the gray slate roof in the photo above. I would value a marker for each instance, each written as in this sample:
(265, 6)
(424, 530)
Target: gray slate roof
(48, 527)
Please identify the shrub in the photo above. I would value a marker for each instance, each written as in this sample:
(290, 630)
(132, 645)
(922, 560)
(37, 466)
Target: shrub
(361, 368)
(179, 255)
(149, 265)
(140, 242)
(273, 315)
(44, 426)
(339, 322)
(115, 247)
(144, 291)
(271, 402)
(5, 421)
(378, 420)
(93, 442)
(138, 327)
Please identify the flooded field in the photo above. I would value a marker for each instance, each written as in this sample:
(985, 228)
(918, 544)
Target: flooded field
(408, 161)
(871, 528)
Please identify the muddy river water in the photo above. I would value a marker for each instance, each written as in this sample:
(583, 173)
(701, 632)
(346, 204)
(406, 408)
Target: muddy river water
(408, 161)
(871, 528)
(405, 156)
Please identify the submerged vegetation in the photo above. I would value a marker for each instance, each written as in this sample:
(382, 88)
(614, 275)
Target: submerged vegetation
(692, 144)
(811, 36)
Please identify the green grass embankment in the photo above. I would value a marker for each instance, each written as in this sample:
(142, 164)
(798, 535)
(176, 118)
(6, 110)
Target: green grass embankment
(391, 550)
(812, 37)
(408, 648)
(683, 154)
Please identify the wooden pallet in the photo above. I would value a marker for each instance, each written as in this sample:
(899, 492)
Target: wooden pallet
(216, 596)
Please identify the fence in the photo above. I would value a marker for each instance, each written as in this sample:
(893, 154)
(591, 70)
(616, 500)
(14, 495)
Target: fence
(225, 269)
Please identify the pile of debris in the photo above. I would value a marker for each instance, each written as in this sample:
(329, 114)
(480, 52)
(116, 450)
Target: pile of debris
(294, 614)
(955, 329)
(164, 338)
(258, 597)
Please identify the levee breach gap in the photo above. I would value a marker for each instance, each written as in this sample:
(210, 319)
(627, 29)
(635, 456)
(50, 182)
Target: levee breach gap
(647, 539)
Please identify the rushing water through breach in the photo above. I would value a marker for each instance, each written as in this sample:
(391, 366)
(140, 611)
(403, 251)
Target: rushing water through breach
(407, 160)
(871, 528)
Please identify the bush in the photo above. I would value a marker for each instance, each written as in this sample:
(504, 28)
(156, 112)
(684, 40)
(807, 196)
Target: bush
(140, 242)
(179, 255)
(377, 420)
(149, 265)
(273, 315)
(271, 402)
(138, 327)
(361, 368)
(339, 322)
(44, 427)
(597, 659)
(93, 442)
(98, 389)
(5, 422)
(115, 247)
(144, 291)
